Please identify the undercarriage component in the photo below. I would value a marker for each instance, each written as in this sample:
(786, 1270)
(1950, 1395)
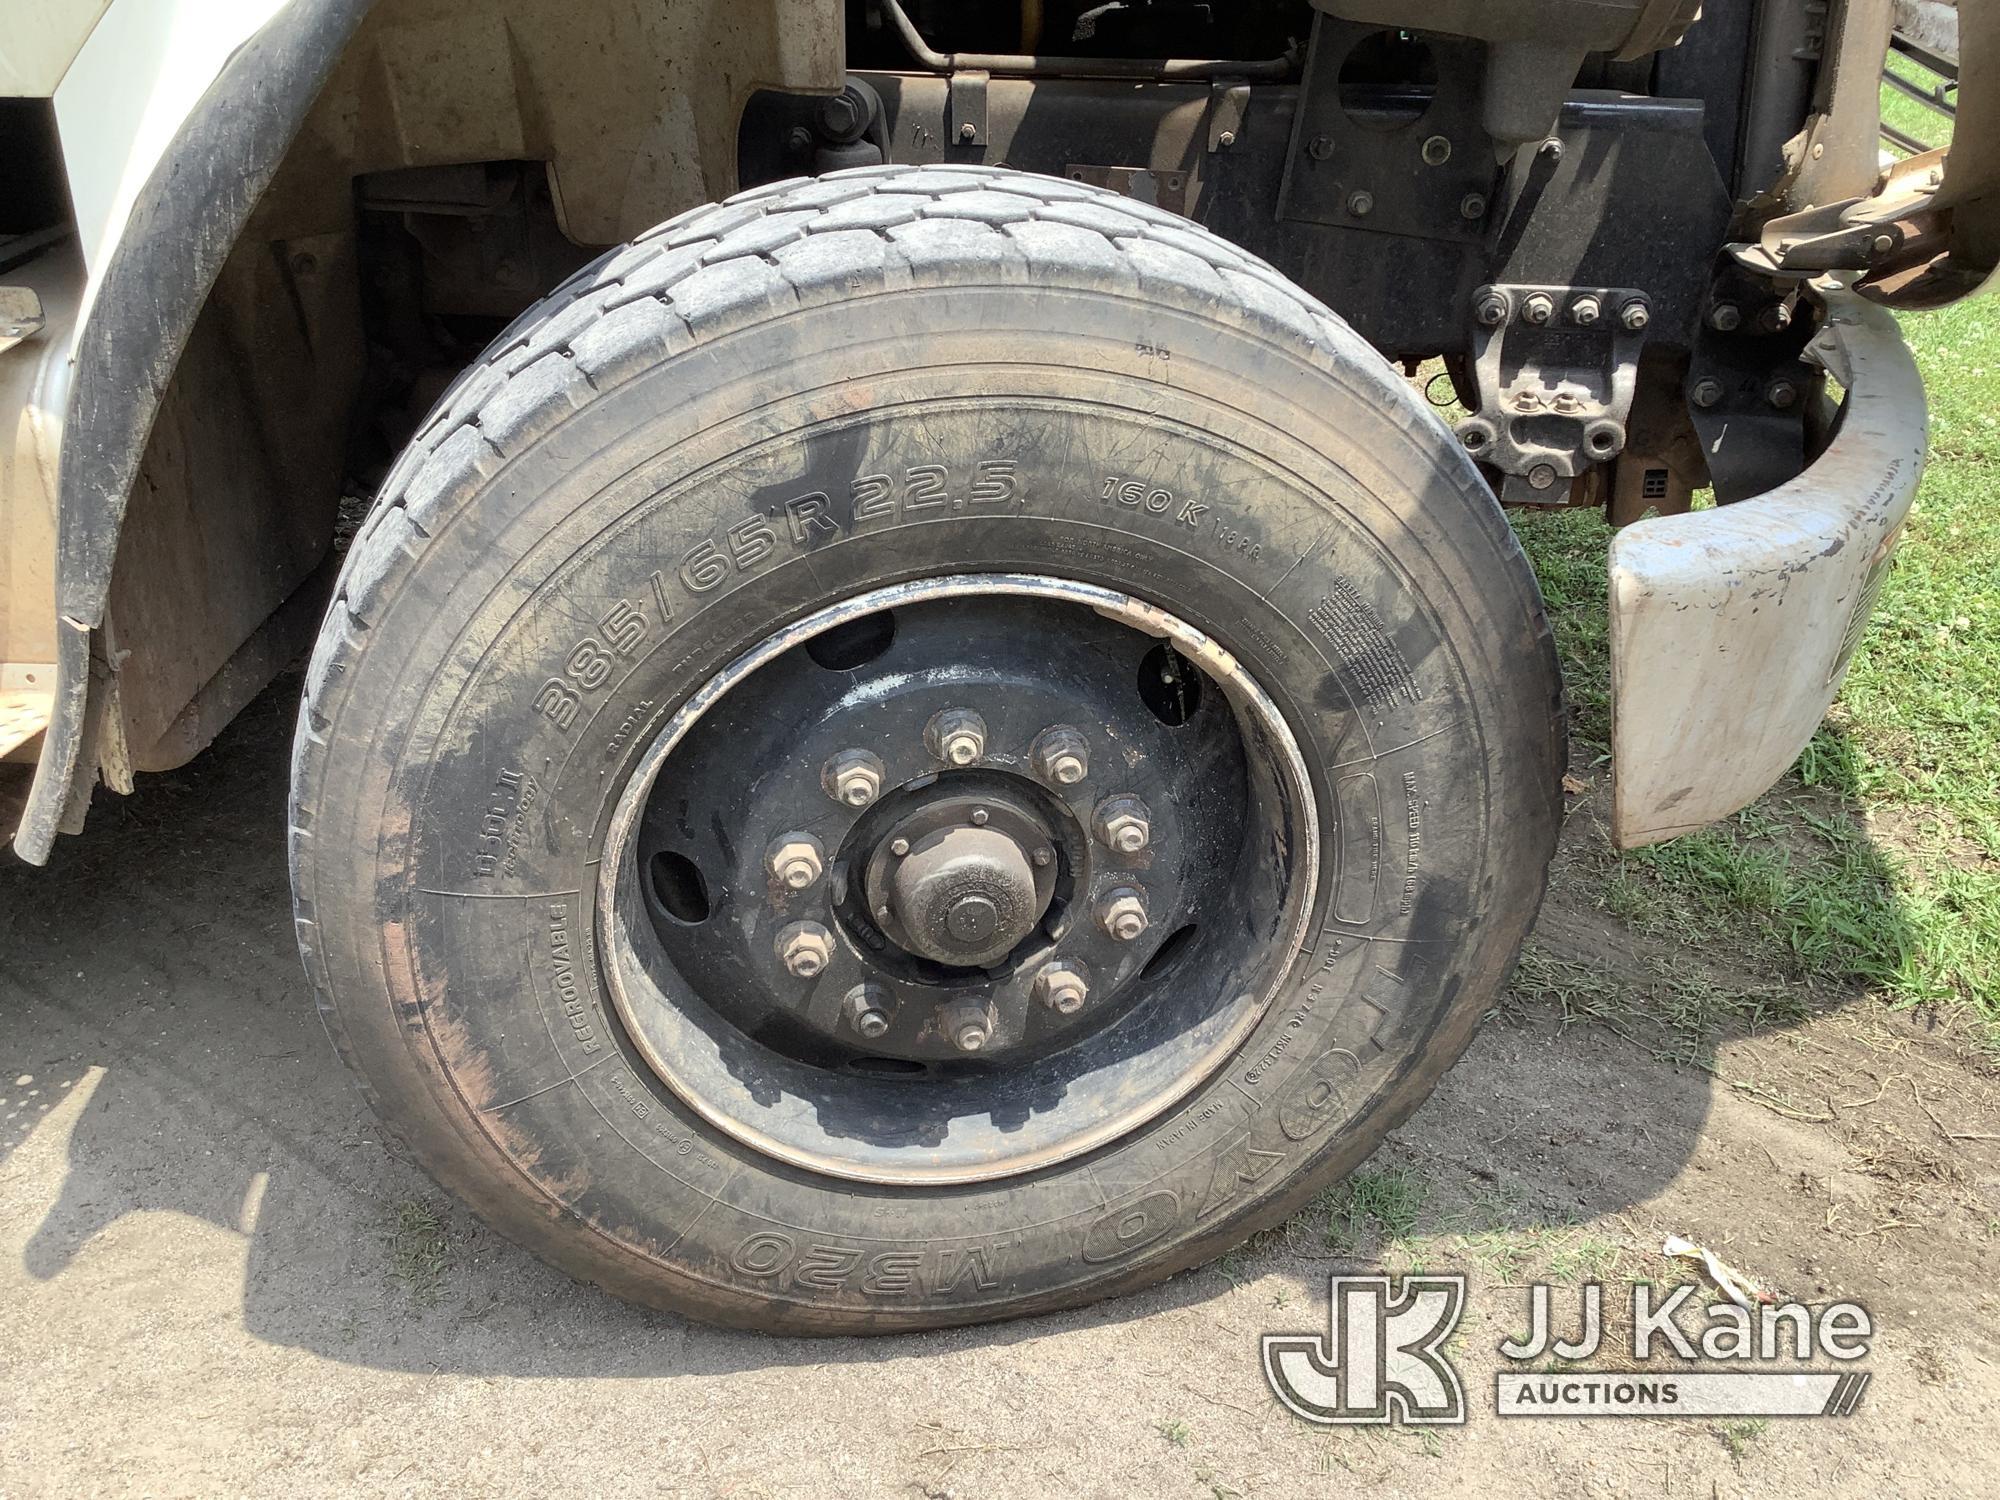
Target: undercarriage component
(1554, 368)
(1049, 65)
(1388, 137)
(1533, 47)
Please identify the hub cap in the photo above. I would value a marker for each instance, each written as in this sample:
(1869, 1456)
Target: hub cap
(957, 879)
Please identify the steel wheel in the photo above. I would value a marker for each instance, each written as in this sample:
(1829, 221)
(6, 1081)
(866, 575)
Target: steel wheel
(896, 895)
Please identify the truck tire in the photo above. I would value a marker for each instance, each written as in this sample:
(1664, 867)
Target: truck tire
(916, 747)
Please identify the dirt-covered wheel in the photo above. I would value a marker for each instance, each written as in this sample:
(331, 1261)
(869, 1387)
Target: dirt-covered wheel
(915, 747)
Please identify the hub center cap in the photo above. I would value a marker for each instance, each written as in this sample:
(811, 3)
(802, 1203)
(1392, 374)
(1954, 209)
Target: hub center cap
(965, 896)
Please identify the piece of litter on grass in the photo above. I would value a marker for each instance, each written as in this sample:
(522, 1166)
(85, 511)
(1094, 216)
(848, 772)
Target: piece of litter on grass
(1574, 785)
(1734, 1285)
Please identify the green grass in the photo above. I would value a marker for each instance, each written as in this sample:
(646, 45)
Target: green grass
(1385, 1202)
(419, 1248)
(1737, 1436)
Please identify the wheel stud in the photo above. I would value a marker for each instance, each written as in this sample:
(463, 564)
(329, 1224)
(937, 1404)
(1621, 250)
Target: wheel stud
(1122, 913)
(853, 778)
(796, 860)
(967, 1024)
(866, 1009)
(805, 949)
(956, 736)
(1123, 823)
(1061, 755)
(1061, 986)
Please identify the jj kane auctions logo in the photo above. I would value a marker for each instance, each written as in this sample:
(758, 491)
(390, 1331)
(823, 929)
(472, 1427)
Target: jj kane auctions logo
(1382, 1357)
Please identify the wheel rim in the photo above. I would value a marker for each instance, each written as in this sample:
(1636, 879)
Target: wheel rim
(859, 912)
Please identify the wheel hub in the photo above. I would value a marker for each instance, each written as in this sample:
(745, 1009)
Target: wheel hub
(962, 879)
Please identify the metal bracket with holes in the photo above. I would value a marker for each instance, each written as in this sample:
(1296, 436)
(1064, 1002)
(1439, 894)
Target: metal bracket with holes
(968, 107)
(1555, 368)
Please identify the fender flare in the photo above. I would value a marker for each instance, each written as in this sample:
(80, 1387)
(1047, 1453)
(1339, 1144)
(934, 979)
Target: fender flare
(182, 227)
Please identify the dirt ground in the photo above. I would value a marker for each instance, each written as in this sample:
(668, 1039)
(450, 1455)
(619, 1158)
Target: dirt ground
(215, 1279)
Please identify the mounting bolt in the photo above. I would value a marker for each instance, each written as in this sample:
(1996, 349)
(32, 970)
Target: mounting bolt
(1061, 986)
(866, 1009)
(1542, 476)
(1061, 755)
(805, 949)
(1122, 823)
(853, 778)
(899, 847)
(795, 860)
(1492, 307)
(1472, 206)
(1775, 319)
(1585, 311)
(1361, 203)
(1707, 392)
(1634, 316)
(966, 1024)
(1882, 244)
(1725, 317)
(967, 131)
(1782, 394)
(1537, 308)
(1122, 913)
(1551, 148)
(1437, 151)
(1227, 138)
(1320, 147)
(956, 736)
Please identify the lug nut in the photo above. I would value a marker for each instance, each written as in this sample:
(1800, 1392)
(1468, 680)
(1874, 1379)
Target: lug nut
(1061, 987)
(866, 1009)
(1061, 755)
(1634, 316)
(967, 1024)
(1123, 913)
(1585, 311)
(853, 778)
(1537, 308)
(805, 949)
(956, 736)
(1123, 823)
(796, 860)
(1492, 307)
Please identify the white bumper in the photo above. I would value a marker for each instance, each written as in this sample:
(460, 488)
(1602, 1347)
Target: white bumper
(1731, 628)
